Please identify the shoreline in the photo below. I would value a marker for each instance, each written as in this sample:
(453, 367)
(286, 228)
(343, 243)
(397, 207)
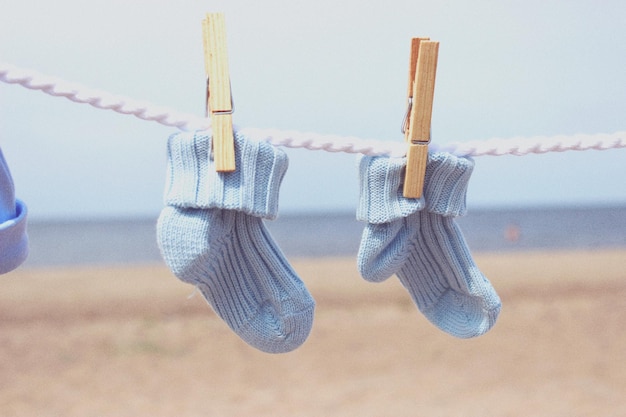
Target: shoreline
(128, 241)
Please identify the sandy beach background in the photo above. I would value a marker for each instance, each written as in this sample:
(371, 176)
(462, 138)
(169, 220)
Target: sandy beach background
(130, 341)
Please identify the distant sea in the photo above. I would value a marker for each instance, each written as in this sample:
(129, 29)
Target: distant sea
(332, 234)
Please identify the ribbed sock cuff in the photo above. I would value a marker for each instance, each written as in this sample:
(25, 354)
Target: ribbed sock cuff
(252, 188)
(382, 180)
(445, 186)
(380, 193)
(13, 240)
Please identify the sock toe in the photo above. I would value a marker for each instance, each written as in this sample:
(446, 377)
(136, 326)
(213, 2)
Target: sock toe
(462, 315)
(273, 332)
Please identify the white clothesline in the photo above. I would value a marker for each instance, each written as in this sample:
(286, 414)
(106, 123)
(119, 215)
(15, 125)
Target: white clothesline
(294, 139)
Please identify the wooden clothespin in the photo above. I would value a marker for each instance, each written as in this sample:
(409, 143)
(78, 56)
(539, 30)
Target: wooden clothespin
(422, 70)
(219, 98)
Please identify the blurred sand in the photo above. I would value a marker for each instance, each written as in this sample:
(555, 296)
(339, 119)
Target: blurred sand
(127, 341)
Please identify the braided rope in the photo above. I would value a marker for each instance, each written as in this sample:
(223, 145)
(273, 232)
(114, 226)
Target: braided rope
(328, 143)
(293, 139)
(521, 146)
(99, 99)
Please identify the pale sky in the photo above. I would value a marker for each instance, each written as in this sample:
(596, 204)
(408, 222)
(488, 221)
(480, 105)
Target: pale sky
(506, 68)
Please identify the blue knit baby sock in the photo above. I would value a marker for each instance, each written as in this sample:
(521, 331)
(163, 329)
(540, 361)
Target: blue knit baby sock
(13, 237)
(211, 235)
(419, 241)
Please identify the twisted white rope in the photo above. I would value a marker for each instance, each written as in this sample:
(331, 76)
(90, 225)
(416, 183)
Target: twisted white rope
(100, 99)
(328, 143)
(521, 146)
(293, 139)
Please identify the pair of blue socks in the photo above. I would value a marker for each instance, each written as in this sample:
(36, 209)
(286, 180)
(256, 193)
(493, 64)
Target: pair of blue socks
(211, 235)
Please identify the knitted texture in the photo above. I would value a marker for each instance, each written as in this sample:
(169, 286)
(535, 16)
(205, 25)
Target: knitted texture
(252, 188)
(381, 191)
(211, 235)
(419, 241)
(13, 236)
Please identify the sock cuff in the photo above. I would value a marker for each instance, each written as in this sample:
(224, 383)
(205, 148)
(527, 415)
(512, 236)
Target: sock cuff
(445, 185)
(193, 182)
(13, 239)
(381, 181)
(380, 193)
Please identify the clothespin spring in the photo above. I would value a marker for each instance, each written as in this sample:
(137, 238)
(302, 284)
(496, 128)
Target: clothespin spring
(405, 123)
(405, 120)
(208, 94)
